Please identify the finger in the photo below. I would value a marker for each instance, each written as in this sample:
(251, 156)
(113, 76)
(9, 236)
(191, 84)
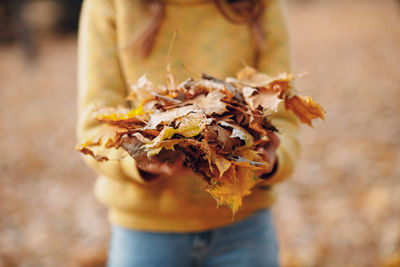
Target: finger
(167, 169)
(274, 140)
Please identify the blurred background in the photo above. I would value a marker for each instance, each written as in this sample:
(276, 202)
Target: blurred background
(340, 208)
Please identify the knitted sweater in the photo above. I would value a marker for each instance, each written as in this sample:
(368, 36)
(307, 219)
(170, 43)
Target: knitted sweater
(206, 42)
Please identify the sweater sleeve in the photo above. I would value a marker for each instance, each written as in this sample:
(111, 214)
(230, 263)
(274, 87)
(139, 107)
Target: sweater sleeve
(101, 83)
(275, 60)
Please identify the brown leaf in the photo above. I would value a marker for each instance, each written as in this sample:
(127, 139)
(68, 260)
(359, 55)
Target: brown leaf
(87, 151)
(238, 132)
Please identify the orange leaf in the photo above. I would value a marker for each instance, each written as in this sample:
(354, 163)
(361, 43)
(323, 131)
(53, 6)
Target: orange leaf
(304, 108)
(222, 164)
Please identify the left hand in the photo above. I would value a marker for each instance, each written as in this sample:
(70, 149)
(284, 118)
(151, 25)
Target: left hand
(156, 168)
(268, 153)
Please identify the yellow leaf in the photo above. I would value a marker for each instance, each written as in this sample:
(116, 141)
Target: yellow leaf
(105, 136)
(235, 184)
(120, 116)
(189, 126)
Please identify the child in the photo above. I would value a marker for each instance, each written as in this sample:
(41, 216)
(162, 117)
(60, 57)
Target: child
(160, 215)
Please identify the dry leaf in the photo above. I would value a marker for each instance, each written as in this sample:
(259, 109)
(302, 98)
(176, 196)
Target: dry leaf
(233, 186)
(217, 125)
(304, 108)
(211, 103)
(170, 115)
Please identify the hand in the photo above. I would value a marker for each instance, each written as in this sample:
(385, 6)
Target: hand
(156, 168)
(268, 153)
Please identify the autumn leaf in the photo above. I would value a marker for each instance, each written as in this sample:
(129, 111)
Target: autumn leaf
(170, 115)
(249, 76)
(105, 136)
(222, 164)
(216, 125)
(143, 91)
(304, 108)
(261, 90)
(188, 126)
(211, 103)
(120, 116)
(238, 132)
(167, 144)
(266, 99)
(87, 151)
(233, 186)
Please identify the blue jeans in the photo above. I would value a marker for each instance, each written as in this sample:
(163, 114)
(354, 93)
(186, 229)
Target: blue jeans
(247, 243)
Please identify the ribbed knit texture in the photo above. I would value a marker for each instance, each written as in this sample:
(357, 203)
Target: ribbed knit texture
(206, 42)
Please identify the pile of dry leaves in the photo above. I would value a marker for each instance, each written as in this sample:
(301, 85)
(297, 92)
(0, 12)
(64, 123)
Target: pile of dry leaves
(216, 125)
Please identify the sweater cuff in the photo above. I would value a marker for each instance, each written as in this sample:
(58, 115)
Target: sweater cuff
(278, 171)
(267, 176)
(147, 176)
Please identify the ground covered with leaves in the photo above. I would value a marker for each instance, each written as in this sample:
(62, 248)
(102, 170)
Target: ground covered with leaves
(339, 208)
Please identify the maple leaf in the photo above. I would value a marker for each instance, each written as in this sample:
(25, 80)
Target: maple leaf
(87, 151)
(238, 132)
(188, 126)
(120, 116)
(170, 115)
(106, 136)
(221, 137)
(222, 163)
(304, 108)
(143, 91)
(233, 186)
(258, 125)
(167, 145)
(216, 125)
(266, 99)
(190, 89)
(249, 158)
(211, 103)
(261, 90)
(168, 101)
(252, 78)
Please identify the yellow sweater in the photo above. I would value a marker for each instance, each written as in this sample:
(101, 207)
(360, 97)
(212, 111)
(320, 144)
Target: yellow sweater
(206, 42)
